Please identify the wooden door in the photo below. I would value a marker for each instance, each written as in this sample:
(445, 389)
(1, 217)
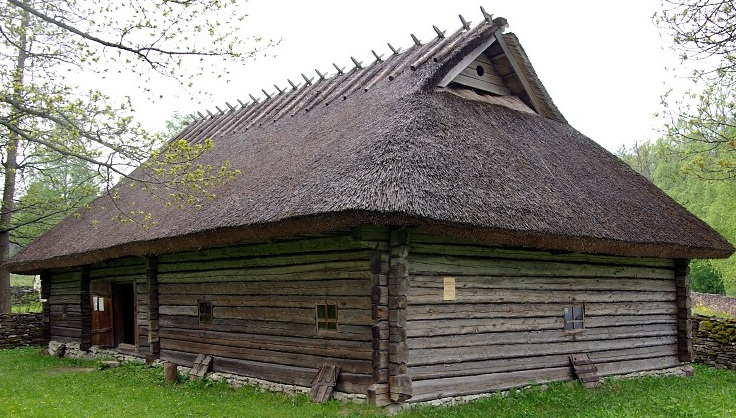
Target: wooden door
(102, 313)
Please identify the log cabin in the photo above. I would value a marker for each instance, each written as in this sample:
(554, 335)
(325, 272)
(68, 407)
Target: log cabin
(429, 223)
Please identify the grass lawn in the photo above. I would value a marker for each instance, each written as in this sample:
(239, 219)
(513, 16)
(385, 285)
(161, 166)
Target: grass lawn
(33, 385)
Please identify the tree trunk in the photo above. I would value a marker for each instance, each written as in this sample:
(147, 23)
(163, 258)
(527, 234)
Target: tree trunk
(11, 166)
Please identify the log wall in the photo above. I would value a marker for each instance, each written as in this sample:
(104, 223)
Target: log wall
(63, 307)
(504, 327)
(263, 298)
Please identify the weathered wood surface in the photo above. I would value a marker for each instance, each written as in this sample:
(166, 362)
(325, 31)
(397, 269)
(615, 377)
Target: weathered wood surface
(585, 370)
(264, 297)
(504, 328)
(324, 383)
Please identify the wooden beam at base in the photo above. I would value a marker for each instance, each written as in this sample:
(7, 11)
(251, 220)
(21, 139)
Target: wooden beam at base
(584, 369)
(324, 382)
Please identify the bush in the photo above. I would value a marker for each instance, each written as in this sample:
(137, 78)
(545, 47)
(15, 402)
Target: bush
(705, 278)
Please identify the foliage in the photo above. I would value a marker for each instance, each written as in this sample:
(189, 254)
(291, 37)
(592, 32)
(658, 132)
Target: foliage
(49, 116)
(33, 385)
(704, 278)
(703, 32)
(711, 200)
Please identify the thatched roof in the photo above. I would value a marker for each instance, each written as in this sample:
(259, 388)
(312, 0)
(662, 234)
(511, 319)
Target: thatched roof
(383, 144)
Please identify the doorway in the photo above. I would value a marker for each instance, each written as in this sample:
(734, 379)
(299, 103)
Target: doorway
(114, 313)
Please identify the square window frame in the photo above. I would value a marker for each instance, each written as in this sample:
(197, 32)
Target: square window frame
(573, 318)
(326, 316)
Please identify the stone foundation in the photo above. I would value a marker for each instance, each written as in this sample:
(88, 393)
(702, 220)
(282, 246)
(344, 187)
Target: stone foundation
(59, 349)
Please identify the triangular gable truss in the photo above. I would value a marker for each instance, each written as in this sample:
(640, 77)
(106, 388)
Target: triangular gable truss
(491, 67)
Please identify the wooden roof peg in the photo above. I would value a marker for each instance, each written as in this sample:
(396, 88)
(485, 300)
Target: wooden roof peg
(255, 100)
(210, 113)
(201, 116)
(307, 79)
(293, 86)
(358, 64)
(440, 33)
(394, 50)
(488, 17)
(466, 24)
(339, 70)
(416, 40)
(241, 103)
(378, 57)
(230, 106)
(266, 93)
(321, 76)
(219, 110)
(278, 89)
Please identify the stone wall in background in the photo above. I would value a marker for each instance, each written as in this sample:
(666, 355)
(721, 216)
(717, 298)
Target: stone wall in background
(714, 341)
(718, 303)
(17, 330)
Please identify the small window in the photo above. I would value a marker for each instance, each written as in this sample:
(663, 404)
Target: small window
(205, 312)
(327, 317)
(574, 318)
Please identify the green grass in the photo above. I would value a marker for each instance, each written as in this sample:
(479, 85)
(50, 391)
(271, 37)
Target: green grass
(708, 311)
(33, 307)
(20, 280)
(33, 385)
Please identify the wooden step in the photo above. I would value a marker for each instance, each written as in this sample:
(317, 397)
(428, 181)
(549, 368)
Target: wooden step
(584, 369)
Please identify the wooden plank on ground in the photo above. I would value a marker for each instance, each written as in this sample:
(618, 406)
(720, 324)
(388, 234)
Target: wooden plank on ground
(324, 382)
(200, 367)
(584, 369)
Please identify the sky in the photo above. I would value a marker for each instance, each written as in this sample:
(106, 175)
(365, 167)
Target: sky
(604, 63)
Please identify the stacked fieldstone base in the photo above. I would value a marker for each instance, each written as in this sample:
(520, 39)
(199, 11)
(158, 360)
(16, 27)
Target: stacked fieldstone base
(714, 341)
(18, 330)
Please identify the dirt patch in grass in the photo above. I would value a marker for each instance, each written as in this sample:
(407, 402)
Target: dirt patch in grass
(61, 370)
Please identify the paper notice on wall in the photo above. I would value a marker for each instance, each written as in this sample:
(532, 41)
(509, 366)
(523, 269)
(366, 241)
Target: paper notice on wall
(449, 288)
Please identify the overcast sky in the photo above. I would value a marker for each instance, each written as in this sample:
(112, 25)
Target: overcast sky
(603, 63)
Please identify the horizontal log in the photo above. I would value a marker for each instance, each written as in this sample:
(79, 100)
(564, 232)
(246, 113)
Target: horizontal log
(476, 353)
(352, 332)
(472, 266)
(133, 272)
(325, 288)
(57, 331)
(292, 246)
(273, 301)
(540, 362)
(289, 359)
(443, 310)
(343, 349)
(427, 296)
(434, 245)
(294, 375)
(470, 385)
(539, 337)
(551, 283)
(284, 263)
